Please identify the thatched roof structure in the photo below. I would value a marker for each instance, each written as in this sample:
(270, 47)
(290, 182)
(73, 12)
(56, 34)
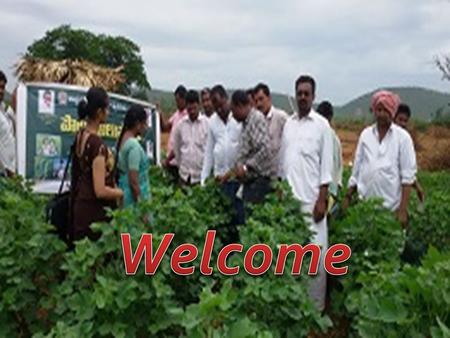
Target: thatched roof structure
(75, 72)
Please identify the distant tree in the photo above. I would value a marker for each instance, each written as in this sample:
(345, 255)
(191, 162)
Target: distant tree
(443, 63)
(64, 42)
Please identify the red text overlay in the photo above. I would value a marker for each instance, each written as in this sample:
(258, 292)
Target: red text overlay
(184, 255)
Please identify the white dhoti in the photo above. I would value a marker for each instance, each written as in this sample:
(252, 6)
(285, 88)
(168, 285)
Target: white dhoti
(318, 284)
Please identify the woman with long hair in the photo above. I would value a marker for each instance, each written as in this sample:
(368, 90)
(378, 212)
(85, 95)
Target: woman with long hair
(93, 187)
(132, 161)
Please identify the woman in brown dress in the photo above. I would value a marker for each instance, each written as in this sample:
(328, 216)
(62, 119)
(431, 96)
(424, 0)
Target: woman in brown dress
(93, 188)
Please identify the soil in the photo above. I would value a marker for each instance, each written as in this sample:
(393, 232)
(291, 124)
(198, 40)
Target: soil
(432, 146)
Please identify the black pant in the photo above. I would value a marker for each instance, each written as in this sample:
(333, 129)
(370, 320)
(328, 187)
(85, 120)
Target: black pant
(238, 215)
(255, 191)
(173, 172)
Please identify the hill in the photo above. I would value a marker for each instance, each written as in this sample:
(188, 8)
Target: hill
(424, 103)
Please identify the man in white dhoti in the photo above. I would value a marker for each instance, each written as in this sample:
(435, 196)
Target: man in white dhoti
(306, 159)
(385, 159)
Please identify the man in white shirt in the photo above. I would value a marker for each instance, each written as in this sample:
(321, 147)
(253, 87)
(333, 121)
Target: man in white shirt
(401, 119)
(276, 118)
(7, 134)
(223, 137)
(385, 160)
(190, 141)
(306, 163)
(325, 109)
(222, 148)
(205, 96)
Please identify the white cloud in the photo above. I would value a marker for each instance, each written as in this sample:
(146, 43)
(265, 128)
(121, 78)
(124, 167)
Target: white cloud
(349, 46)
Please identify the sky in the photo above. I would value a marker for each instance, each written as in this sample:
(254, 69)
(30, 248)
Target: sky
(349, 46)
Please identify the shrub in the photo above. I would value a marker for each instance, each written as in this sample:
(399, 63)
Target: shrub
(412, 302)
(29, 260)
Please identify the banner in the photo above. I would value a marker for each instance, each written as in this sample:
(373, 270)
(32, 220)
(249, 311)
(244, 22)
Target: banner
(47, 121)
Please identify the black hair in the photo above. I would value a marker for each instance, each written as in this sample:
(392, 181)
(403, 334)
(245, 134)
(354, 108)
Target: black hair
(240, 98)
(180, 91)
(263, 87)
(135, 114)
(403, 108)
(325, 108)
(250, 92)
(205, 90)
(192, 97)
(306, 79)
(219, 89)
(3, 77)
(97, 98)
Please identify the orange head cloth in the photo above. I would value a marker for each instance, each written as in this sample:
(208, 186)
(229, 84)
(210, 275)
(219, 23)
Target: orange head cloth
(388, 100)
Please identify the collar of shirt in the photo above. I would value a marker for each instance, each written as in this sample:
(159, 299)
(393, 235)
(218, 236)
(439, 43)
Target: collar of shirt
(180, 113)
(375, 130)
(228, 119)
(197, 120)
(8, 112)
(269, 115)
(309, 116)
(249, 117)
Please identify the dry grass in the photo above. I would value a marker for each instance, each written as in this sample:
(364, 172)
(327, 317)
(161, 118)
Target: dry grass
(73, 72)
(164, 140)
(432, 146)
(435, 152)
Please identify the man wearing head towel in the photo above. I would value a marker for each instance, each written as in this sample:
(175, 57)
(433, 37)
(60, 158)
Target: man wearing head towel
(385, 160)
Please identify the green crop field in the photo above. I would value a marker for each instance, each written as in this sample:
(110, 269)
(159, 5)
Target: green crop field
(397, 284)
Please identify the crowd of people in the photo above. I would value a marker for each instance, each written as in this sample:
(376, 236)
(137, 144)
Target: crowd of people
(244, 144)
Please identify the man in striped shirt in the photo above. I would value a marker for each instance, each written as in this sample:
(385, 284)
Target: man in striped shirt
(253, 164)
(276, 118)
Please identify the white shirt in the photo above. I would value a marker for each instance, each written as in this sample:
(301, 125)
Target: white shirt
(380, 169)
(7, 140)
(222, 146)
(276, 118)
(189, 147)
(306, 155)
(338, 167)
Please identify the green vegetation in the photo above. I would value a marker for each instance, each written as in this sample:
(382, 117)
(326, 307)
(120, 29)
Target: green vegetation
(47, 291)
(408, 302)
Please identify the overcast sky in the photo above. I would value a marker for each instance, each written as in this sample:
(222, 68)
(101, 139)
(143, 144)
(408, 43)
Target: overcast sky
(349, 46)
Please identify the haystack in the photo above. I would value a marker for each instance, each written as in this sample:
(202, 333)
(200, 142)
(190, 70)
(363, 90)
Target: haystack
(74, 72)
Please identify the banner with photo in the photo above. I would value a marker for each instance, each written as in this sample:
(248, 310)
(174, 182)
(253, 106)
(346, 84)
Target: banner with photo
(47, 121)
